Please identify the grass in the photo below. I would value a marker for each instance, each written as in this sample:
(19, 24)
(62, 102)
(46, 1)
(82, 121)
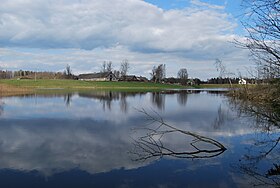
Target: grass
(15, 86)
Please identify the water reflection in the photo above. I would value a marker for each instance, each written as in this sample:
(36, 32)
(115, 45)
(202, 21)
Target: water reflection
(49, 138)
(263, 152)
(94, 132)
(182, 97)
(107, 97)
(223, 117)
(1, 107)
(154, 141)
(53, 146)
(266, 118)
(67, 99)
(158, 99)
(261, 161)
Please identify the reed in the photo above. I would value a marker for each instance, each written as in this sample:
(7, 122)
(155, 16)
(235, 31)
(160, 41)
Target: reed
(9, 90)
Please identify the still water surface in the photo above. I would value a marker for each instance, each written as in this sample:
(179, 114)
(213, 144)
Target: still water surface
(95, 139)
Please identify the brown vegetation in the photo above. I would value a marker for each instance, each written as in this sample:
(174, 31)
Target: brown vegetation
(261, 94)
(8, 90)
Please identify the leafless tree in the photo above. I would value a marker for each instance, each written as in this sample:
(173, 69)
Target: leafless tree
(153, 143)
(109, 66)
(183, 76)
(221, 68)
(158, 73)
(117, 73)
(103, 67)
(68, 71)
(262, 22)
(124, 67)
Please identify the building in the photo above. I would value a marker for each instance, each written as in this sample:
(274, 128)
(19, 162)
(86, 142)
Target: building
(142, 79)
(128, 78)
(101, 76)
(133, 78)
(242, 81)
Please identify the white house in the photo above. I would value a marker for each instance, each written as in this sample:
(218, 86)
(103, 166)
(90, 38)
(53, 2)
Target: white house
(242, 81)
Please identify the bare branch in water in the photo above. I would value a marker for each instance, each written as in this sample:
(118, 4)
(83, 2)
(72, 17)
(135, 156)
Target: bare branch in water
(153, 143)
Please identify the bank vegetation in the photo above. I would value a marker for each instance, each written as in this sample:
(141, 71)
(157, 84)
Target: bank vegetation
(262, 22)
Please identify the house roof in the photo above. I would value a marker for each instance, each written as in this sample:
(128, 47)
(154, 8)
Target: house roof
(129, 77)
(95, 75)
(142, 78)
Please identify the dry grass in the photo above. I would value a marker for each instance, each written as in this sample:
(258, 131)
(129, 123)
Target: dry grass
(8, 90)
(261, 94)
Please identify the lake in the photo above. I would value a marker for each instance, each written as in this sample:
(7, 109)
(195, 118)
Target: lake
(187, 138)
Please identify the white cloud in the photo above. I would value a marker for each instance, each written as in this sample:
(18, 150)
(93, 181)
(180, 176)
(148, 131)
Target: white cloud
(110, 29)
(200, 3)
(91, 24)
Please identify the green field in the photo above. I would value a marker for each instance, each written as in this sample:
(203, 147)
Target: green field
(83, 85)
(25, 86)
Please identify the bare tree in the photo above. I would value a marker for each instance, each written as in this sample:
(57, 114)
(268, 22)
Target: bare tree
(68, 72)
(124, 67)
(117, 73)
(103, 66)
(158, 73)
(221, 68)
(262, 22)
(183, 76)
(109, 66)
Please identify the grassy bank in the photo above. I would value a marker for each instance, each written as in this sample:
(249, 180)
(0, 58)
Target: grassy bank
(14, 86)
(269, 94)
(261, 99)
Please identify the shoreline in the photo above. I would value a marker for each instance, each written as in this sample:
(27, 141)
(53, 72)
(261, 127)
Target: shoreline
(21, 87)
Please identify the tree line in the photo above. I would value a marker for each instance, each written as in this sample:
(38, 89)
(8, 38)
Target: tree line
(158, 73)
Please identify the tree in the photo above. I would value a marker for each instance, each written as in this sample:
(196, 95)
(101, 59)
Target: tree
(262, 22)
(223, 71)
(103, 66)
(124, 67)
(68, 71)
(158, 73)
(109, 66)
(183, 76)
(117, 73)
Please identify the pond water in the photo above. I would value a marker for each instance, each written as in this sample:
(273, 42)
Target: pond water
(117, 139)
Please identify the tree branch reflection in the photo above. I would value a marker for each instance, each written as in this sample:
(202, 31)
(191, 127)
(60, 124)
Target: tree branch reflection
(260, 162)
(155, 141)
(1, 107)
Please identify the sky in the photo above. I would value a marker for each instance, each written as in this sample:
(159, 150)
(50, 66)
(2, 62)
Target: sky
(46, 35)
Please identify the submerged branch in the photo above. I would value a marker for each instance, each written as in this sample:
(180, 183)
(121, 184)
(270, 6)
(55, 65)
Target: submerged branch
(153, 144)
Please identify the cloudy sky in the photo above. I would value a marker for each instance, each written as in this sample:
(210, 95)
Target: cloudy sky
(46, 35)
